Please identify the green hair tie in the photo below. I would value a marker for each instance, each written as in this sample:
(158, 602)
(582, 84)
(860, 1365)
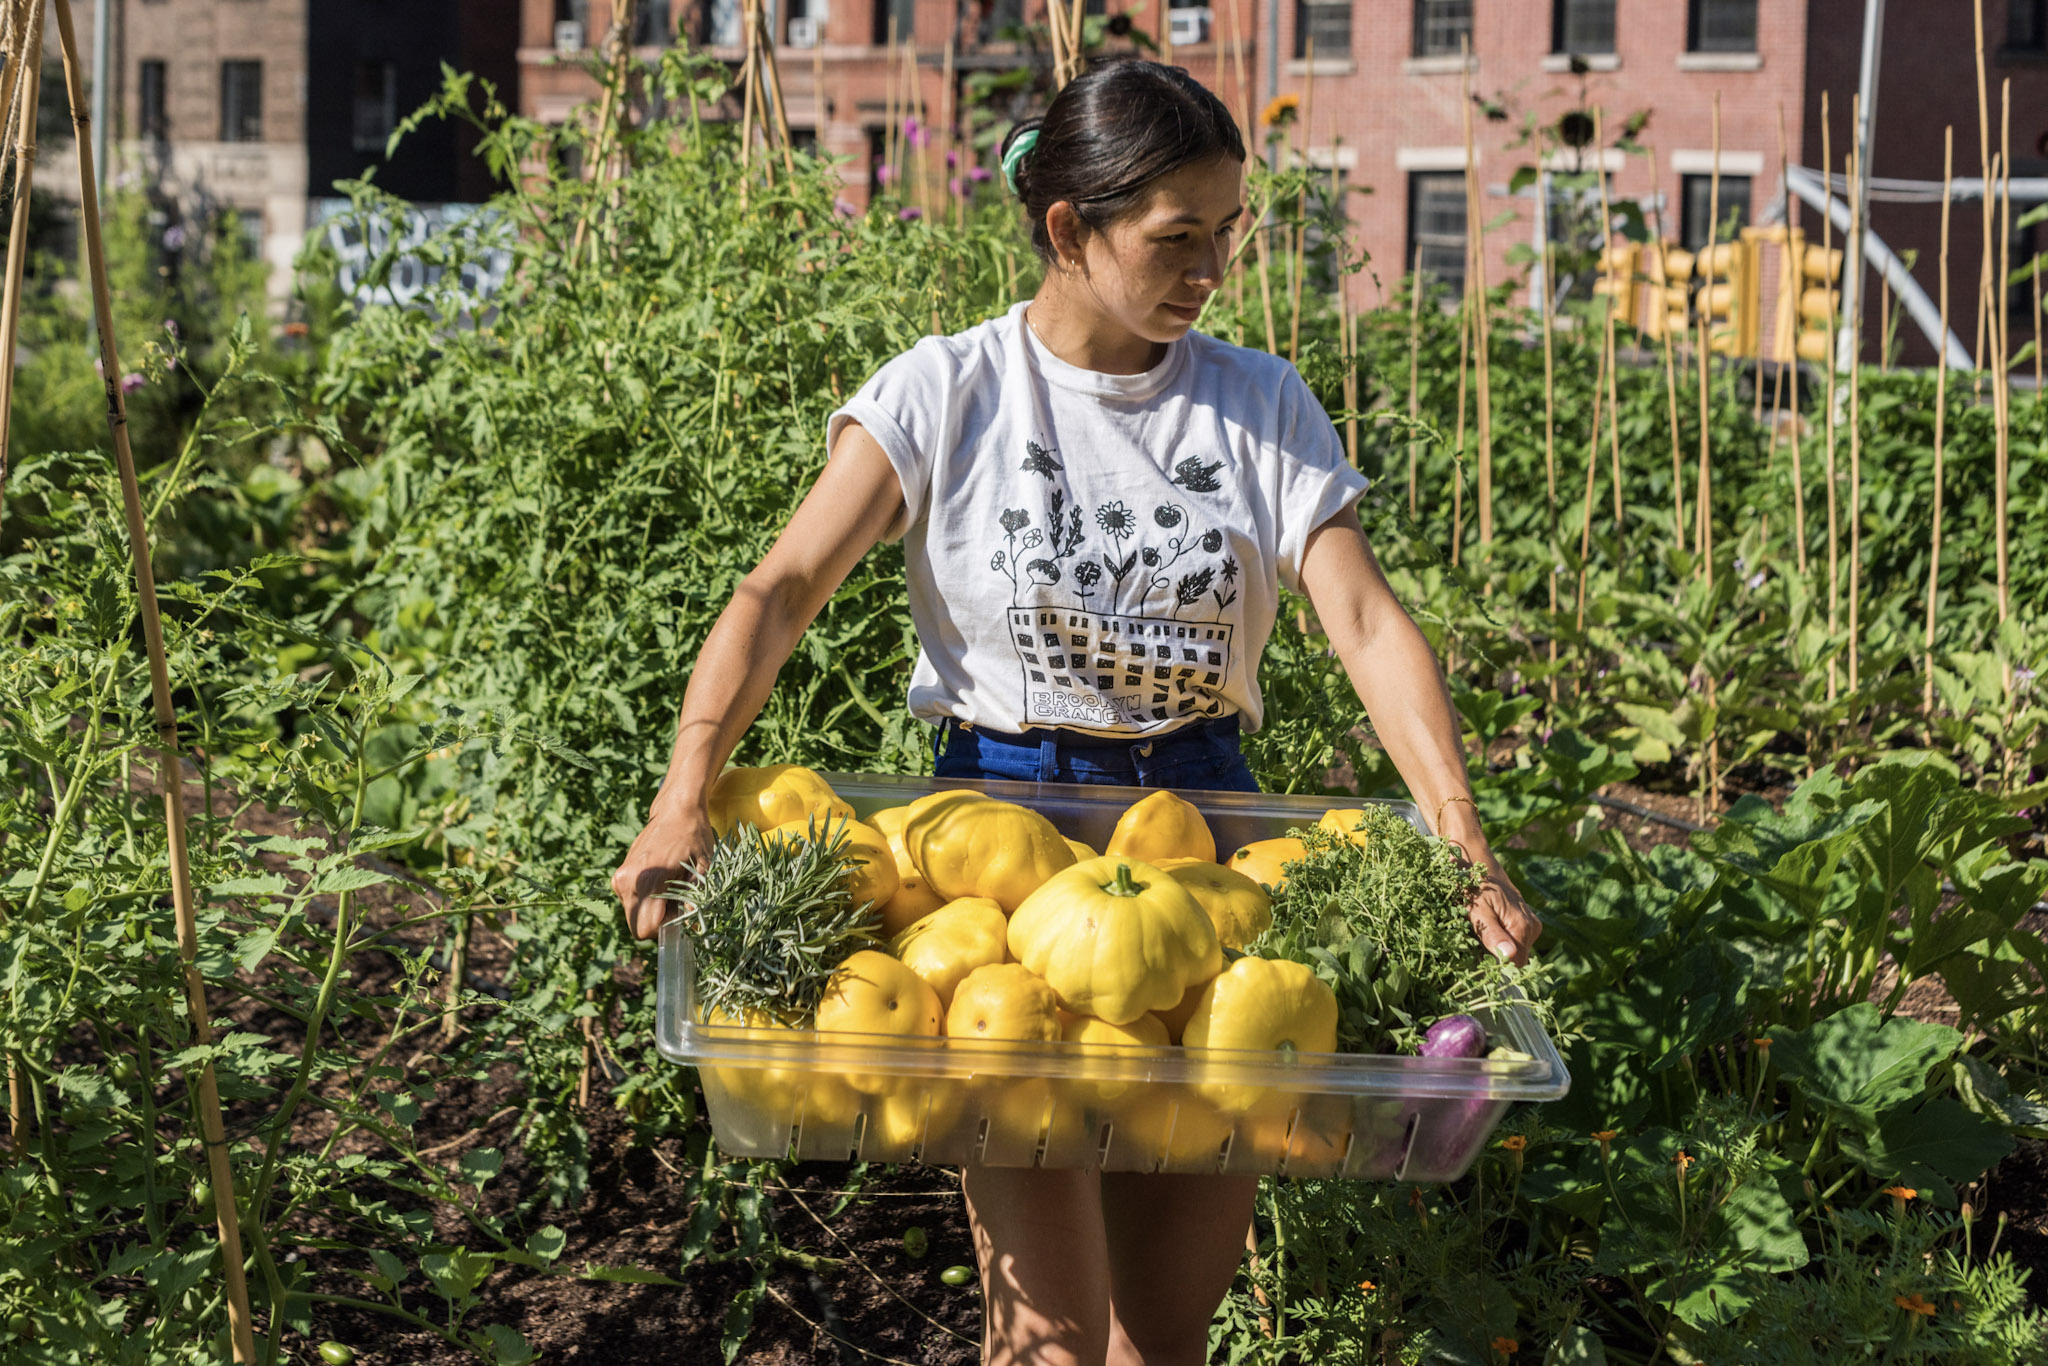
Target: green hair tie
(1024, 143)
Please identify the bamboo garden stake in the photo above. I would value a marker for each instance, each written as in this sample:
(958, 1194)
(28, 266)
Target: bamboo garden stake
(1414, 373)
(1592, 466)
(1854, 322)
(212, 1130)
(1827, 238)
(1948, 152)
(17, 237)
(1544, 321)
(1298, 265)
(2001, 450)
(1703, 494)
(1985, 169)
(1465, 326)
(1664, 330)
(1482, 337)
(1607, 339)
(1790, 285)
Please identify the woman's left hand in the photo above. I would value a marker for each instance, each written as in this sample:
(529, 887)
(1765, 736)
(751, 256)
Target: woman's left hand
(1503, 920)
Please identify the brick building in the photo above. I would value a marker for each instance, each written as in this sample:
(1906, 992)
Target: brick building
(1387, 105)
(259, 106)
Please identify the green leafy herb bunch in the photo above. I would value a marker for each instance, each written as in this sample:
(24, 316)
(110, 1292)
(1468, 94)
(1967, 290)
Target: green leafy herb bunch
(771, 919)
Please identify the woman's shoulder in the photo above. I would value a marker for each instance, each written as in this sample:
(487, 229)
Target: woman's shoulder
(1252, 374)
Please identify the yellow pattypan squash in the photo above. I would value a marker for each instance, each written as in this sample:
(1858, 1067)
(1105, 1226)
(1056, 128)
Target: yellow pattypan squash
(1162, 826)
(1003, 1001)
(1176, 1017)
(1238, 907)
(967, 844)
(1265, 860)
(872, 993)
(1263, 1004)
(1344, 820)
(1115, 938)
(953, 941)
(914, 899)
(1082, 853)
(777, 1093)
(1147, 1031)
(771, 796)
(873, 876)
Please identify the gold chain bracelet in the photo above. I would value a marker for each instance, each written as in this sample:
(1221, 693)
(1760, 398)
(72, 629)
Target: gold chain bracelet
(1437, 824)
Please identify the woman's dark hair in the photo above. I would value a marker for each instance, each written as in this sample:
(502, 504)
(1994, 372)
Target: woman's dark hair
(1110, 133)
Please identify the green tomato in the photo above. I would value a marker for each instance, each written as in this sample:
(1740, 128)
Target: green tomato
(202, 1196)
(122, 1067)
(337, 1353)
(914, 1241)
(957, 1275)
(21, 1325)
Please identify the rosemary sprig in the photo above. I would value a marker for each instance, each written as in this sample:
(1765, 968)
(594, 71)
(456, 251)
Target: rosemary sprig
(772, 919)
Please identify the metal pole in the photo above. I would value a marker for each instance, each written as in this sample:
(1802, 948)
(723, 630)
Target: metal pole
(1848, 343)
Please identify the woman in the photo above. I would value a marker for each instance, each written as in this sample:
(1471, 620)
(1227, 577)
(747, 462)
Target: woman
(1098, 506)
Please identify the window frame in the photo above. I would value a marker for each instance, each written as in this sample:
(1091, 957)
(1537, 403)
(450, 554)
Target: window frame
(1559, 11)
(1419, 45)
(156, 129)
(238, 124)
(1418, 181)
(387, 108)
(1303, 27)
(1686, 220)
(1696, 36)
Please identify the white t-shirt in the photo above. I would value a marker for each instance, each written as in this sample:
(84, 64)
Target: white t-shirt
(1094, 551)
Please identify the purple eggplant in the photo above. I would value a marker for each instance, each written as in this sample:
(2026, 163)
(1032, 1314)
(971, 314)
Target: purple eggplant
(1454, 1036)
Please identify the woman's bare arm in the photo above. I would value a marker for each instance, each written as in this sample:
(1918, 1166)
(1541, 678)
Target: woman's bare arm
(852, 506)
(1395, 675)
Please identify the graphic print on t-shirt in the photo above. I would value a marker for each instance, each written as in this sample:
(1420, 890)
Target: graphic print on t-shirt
(1121, 632)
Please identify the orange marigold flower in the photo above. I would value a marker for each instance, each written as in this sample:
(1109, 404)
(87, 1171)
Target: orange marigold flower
(1367, 1286)
(1605, 1135)
(1764, 1044)
(1506, 1346)
(1902, 1192)
(1279, 110)
(1914, 1304)
(1685, 1159)
(1514, 1143)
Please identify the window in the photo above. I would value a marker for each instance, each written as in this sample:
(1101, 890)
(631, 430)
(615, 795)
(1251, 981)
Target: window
(1328, 22)
(650, 24)
(903, 10)
(1582, 26)
(1436, 225)
(997, 15)
(722, 23)
(2026, 26)
(150, 81)
(1440, 25)
(1697, 195)
(1722, 26)
(376, 109)
(241, 101)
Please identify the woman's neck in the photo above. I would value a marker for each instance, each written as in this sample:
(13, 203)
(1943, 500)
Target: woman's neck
(1076, 332)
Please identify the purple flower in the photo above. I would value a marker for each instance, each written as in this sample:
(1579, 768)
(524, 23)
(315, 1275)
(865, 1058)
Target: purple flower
(174, 238)
(1756, 580)
(909, 215)
(977, 174)
(884, 173)
(913, 131)
(171, 326)
(2023, 678)
(952, 158)
(132, 381)
(953, 187)
(844, 208)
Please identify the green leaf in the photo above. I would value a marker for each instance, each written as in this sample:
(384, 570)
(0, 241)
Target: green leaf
(1576, 1346)
(507, 1346)
(625, 1275)
(1851, 1061)
(547, 1243)
(348, 879)
(739, 1320)
(1935, 1145)
(481, 1164)
(268, 884)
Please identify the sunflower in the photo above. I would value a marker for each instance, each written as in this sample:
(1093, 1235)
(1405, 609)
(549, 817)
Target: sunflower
(1280, 110)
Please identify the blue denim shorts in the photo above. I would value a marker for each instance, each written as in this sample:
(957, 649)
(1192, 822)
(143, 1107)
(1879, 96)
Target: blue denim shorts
(1201, 757)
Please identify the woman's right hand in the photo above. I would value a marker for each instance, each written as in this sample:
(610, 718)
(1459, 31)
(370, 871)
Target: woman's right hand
(672, 847)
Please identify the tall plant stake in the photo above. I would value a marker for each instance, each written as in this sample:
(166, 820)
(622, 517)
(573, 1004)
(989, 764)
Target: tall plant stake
(1545, 321)
(1984, 165)
(1703, 495)
(2002, 412)
(1855, 325)
(1948, 152)
(17, 237)
(1458, 440)
(1827, 238)
(1482, 335)
(1592, 467)
(1665, 330)
(1298, 264)
(1414, 374)
(1791, 286)
(1607, 325)
(212, 1131)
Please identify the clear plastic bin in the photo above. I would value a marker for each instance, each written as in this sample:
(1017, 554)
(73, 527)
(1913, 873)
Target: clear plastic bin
(844, 1097)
